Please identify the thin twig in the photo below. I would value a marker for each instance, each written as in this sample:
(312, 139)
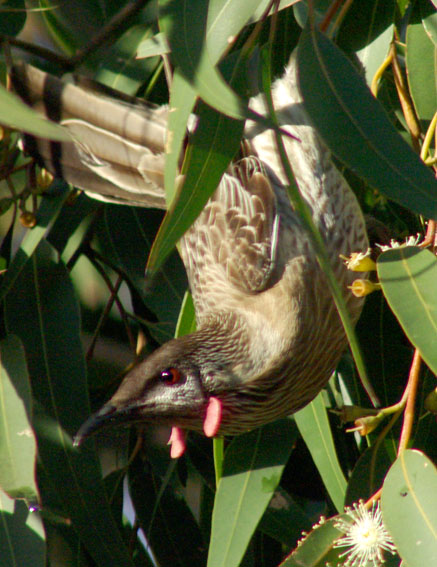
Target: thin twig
(413, 382)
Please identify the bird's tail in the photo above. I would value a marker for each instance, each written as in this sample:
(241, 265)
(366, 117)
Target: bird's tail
(117, 152)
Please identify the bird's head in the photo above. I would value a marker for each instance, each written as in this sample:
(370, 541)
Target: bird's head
(176, 385)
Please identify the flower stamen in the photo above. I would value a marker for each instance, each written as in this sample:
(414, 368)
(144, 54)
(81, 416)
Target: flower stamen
(365, 536)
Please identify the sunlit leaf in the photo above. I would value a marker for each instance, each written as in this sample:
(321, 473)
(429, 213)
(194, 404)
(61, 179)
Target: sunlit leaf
(409, 508)
(198, 33)
(15, 114)
(356, 128)
(408, 276)
(17, 439)
(213, 145)
(155, 45)
(252, 470)
(421, 70)
(314, 427)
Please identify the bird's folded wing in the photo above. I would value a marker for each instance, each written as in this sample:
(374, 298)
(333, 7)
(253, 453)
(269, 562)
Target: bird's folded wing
(231, 248)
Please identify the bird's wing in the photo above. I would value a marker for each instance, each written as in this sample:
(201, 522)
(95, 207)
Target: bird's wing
(231, 248)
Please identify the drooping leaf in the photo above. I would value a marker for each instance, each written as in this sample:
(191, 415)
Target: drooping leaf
(17, 439)
(125, 236)
(421, 70)
(409, 508)
(284, 520)
(187, 318)
(15, 114)
(155, 45)
(408, 276)
(42, 310)
(252, 470)
(314, 427)
(373, 54)
(212, 147)
(342, 108)
(198, 32)
(165, 518)
(429, 19)
(368, 474)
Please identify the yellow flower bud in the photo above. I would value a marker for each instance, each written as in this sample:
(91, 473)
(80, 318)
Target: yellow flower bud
(361, 287)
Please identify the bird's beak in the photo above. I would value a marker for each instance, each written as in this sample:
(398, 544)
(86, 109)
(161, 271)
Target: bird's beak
(106, 416)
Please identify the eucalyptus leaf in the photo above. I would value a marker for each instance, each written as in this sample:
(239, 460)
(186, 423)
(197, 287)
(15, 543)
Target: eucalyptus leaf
(212, 146)
(422, 70)
(315, 548)
(22, 539)
(15, 114)
(155, 45)
(17, 439)
(409, 508)
(314, 427)
(252, 470)
(356, 128)
(408, 275)
(42, 310)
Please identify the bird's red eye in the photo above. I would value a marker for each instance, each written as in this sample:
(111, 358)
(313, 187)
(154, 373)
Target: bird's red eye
(170, 375)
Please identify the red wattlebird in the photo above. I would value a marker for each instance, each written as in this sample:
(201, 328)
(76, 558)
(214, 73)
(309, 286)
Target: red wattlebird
(269, 335)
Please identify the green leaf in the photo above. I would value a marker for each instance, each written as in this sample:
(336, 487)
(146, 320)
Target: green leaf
(155, 45)
(21, 535)
(341, 106)
(409, 508)
(42, 310)
(373, 54)
(182, 100)
(421, 70)
(315, 550)
(212, 146)
(15, 114)
(429, 19)
(198, 32)
(119, 68)
(252, 470)
(48, 212)
(187, 317)
(408, 276)
(314, 427)
(17, 439)
(364, 23)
